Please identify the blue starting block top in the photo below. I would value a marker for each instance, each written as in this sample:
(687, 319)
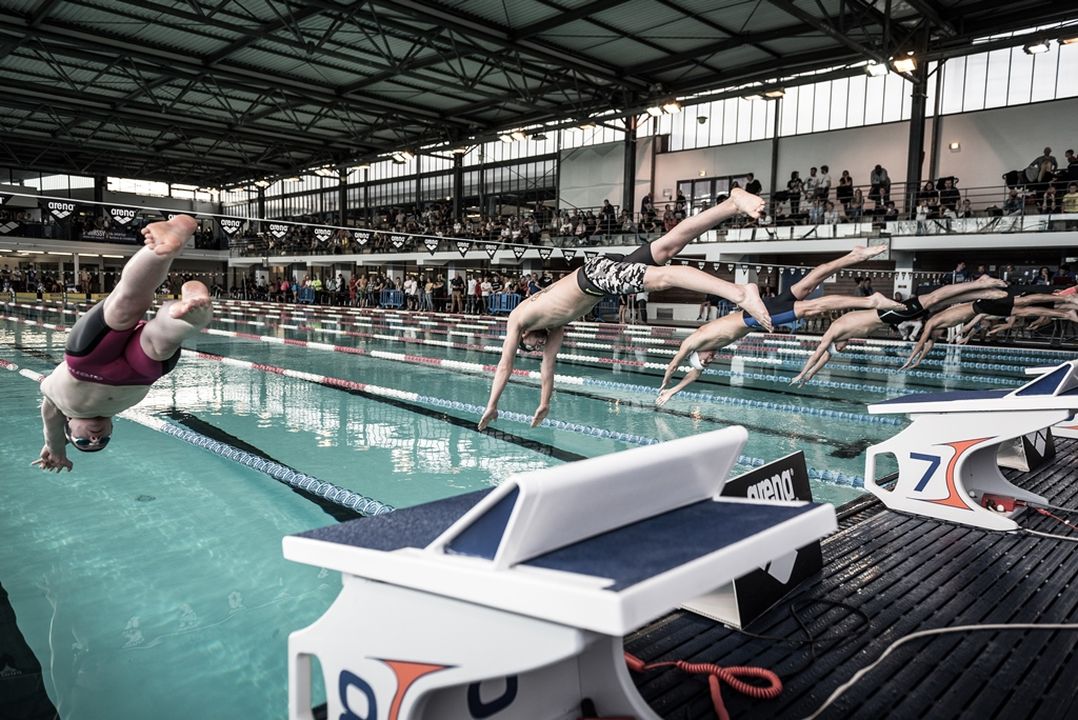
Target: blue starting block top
(1055, 389)
(605, 544)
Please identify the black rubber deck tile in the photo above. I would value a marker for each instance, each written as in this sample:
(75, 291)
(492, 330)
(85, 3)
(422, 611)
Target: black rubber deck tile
(907, 574)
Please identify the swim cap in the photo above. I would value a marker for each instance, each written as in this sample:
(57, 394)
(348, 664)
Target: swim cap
(695, 361)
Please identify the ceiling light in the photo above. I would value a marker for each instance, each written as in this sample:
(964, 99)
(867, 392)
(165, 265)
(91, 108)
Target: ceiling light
(904, 64)
(53, 252)
(774, 94)
(5, 249)
(362, 166)
(955, 147)
(460, 150)
(673, 107)
(262, 183)
(117, 257)
(506, 138)
(655, 111)
(293, 179)
(588, 126)
(518, 135)
(1036, 48)
(82, 254)
(1069, 41)
(539, 137)
(326, 171)
(876, 69)
(402, 156)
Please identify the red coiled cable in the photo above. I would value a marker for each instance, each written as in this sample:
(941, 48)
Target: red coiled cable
(716, 675)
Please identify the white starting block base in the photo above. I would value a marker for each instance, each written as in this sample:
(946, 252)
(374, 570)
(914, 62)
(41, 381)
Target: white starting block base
(514, 604)
(947, 456)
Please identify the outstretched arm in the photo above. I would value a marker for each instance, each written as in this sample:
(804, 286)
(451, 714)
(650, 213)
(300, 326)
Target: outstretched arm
(503, 371)
(924, 344)
(53, 454)
(664, 395)
(679, 357)
(546, 373)
(820, 357)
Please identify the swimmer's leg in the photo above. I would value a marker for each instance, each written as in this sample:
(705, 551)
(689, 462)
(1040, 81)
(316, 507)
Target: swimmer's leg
(176, 321)
(145, 271)
(806, 285)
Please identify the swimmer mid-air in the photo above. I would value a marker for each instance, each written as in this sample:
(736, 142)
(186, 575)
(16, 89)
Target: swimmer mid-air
(699, 348)
(1026, 306)
(112, 355)
(537, 323)
(861, 323)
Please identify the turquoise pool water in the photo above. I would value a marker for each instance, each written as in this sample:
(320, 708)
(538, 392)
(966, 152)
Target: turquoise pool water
(149, 582)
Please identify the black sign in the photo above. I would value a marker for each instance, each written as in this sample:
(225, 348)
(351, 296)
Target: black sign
(397, 241)
(173, 214)
(323, 234)
(432, 245)
(4, 197)
(785, 479)
(568, 254)
(491, 248)
(278, 230)
(230, 226)
(7, 228)
(122, 215)
(61, 209)
(518, 251)
(545, 252)
(363, 236)
(463, 247)
(589, 254)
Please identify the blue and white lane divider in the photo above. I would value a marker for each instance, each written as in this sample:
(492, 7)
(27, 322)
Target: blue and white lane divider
(829, 476)
(328, 491)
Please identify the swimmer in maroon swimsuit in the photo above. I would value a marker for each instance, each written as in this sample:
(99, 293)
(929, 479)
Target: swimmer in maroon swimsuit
(113, 355)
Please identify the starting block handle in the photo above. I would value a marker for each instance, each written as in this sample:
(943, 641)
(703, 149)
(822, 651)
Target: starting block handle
(537, 512)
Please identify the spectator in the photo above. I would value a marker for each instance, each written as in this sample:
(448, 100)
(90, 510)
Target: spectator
(1051, 202)
(980, 272)
(647, 207)
(880, 191)
(823, 188)
(890, 211)
(856, 209)
(965, 210)
(456, 298)
(812, 184)
(470, 302)
(1009, 274)
(844, 191)
(607, 214)
(1072, 167)
(641, 299)
(816, 212)
(1044, 277)
(669, 221)
(752, 185)
(1043, 166)
(830, 215)
(1064, 277)
(959, 274)
(1070, 200)
(1013, 204)
(680, 205)
(486, 288)
(794, 188)
(949, 195)
(930, 197)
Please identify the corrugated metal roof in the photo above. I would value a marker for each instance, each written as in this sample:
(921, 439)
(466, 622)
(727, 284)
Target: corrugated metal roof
(444, 70)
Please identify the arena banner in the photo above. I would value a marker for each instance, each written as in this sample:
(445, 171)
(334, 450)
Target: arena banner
(568, 253)
(590, 255)
(751, 595)
(61, 209)
(122, 215)
(230, 226)
(173, 214)
(278, 230)
(491, 249)
(363, 236)
(432, 244)
(546, 252)
(323, 234)
(463, 246)
(518, 251)
(397, 241)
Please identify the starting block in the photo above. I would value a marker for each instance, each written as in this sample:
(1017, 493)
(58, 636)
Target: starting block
(947, 457)
(512, 603)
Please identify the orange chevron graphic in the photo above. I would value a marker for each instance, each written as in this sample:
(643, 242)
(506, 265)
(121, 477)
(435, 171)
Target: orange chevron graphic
(407, 673)
(954, 498)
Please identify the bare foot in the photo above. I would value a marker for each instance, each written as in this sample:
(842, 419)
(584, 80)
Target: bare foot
(989, 281)
(168, 237)
(194, 305)
(753, 304)
(862, 252)
(882, 302)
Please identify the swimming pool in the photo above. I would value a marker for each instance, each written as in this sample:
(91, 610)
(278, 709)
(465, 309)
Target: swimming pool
(149, 582)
